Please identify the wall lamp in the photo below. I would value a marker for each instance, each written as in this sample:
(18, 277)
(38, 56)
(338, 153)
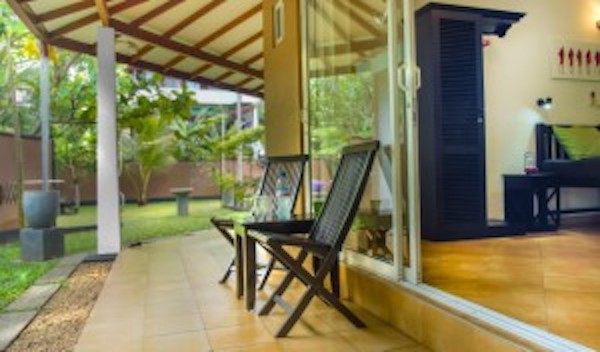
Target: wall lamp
(545, 103)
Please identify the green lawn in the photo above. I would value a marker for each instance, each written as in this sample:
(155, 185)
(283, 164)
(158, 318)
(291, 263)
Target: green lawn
(15, 275)
(139, 224)
(154, 220)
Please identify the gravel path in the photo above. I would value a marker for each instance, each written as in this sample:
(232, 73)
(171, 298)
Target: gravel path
(61, 320)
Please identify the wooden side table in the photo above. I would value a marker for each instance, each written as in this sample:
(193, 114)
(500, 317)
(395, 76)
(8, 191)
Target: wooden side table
(527, 200)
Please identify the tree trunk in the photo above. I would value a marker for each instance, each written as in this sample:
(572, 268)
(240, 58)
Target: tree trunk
(18, 140)
(146, 174)
(76, 187)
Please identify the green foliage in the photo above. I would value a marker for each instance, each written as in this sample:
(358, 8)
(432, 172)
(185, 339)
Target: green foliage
(18, 73)
(15, 275)
(341, 108)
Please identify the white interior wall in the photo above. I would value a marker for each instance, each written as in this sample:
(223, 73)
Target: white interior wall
(517, 73)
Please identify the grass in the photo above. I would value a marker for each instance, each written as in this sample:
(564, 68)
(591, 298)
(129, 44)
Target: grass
(152, 221)
(155, 220)
(15, 275)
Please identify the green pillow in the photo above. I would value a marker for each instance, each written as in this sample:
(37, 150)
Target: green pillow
(580, 142)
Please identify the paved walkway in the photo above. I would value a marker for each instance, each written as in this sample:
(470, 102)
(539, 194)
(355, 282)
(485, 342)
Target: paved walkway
(165, 297)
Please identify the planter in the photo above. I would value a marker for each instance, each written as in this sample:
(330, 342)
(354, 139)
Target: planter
(38, 245)
(40, 208)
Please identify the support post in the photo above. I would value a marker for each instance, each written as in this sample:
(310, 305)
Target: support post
(45, 114)
(238, 125)
(109, 224)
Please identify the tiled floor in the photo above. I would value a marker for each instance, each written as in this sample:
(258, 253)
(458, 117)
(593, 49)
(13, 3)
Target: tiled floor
(165, 297)
(551, 280)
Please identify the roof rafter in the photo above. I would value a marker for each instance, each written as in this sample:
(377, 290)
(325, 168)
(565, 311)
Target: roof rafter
(180, 48)
(103, 13)
(84, 21)
(64, 11)
(201, 12)
(157, 11)
(74, 45)
(219, 32)
(230, 52)
(248, 62)
(26, 18)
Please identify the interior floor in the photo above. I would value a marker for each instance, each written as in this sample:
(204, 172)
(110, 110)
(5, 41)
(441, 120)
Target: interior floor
(550, 280)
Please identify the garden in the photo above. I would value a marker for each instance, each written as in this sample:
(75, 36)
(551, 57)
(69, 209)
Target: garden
(157, 127)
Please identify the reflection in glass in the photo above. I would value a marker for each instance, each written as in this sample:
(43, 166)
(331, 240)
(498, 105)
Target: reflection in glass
(349, 102)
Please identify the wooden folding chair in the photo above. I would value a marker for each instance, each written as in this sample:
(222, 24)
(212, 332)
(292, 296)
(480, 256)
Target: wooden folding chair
(325, 239)
(293, 166)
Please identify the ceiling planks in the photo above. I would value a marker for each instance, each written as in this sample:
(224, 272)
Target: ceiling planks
(195, 16)
(69, 23)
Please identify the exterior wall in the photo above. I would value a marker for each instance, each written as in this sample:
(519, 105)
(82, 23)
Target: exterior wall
(517, 73)
(8, 172)
(283, 94)
(433, 325)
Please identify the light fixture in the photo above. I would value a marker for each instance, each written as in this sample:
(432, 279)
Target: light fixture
(545, 103)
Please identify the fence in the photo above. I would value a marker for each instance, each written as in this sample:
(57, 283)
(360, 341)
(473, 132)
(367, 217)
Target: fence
(8, 174)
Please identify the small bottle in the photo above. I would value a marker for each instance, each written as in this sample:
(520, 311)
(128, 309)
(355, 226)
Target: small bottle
(283, 198)
(530, 166)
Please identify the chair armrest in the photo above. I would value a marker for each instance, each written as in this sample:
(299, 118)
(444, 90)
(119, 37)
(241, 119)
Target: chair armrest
(223, 223)
(278, 240)
(291, 226)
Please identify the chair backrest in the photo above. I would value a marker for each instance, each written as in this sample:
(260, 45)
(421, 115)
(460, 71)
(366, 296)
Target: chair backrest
(293, 165)
(341, 205)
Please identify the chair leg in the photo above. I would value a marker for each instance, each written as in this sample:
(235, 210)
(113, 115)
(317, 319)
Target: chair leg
(270, 304)
(297, 312)
(268, 270)
(285, 283)
(334, 276)
(228, 271)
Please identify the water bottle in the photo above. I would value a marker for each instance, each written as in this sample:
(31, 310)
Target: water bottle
(283, 199)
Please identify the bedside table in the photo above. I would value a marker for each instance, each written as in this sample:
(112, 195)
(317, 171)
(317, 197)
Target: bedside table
(527, 200)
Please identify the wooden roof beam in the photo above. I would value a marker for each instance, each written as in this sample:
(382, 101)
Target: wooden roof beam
(201, 12)
(180, 48)
(228, 53)
(219, 32)
(366, 25)
(84, 21)
(103, 13)
(157, 11)
(90, 49)
(248, 62)
(64, 11)
(26, 19)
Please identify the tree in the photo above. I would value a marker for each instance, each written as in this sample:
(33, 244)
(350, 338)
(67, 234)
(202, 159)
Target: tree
(73, 107)
(341, 107)
(146, 114)
(15, 77)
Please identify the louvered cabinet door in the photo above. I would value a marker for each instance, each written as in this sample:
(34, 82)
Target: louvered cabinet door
(461, 128)
(452, 124)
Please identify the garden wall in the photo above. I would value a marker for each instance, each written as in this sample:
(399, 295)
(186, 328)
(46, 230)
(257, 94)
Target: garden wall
(8, 174)
(181, 174)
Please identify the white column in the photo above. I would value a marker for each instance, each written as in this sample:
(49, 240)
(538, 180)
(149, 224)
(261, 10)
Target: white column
(109, 227)
(45, 115)
(240, 156)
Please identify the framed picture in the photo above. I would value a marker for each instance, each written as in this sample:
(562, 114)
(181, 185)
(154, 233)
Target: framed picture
(576, 61)
(278, 22)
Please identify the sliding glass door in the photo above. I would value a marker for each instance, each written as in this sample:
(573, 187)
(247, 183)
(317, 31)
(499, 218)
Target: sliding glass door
(353, 51)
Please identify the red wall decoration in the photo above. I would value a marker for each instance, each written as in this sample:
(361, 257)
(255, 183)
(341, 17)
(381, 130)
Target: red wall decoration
(576, 60)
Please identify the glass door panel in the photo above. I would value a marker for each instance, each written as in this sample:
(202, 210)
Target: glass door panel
(353, 51)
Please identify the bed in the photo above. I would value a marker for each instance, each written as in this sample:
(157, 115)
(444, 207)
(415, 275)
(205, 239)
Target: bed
(552, 157)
